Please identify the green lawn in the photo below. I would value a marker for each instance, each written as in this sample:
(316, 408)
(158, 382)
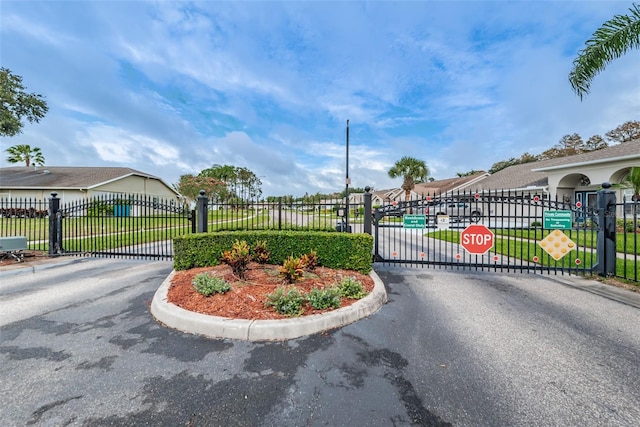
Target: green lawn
(527, 250)
(625, 242)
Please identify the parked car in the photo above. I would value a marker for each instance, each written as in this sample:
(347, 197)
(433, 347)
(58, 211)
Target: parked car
(456, 210)
(400, 210)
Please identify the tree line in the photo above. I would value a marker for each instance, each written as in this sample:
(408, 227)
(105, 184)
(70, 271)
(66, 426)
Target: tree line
(570, 145)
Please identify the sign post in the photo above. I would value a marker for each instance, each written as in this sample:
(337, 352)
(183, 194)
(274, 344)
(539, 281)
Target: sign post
(476, 239)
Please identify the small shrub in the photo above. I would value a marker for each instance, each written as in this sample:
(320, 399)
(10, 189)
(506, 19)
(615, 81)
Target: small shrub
(206, 284)
(310, 260)
(260, 253)
(626, 226)
(351, 288)
(292, 269)
(321, 299)
(287, 302)
(237, 258)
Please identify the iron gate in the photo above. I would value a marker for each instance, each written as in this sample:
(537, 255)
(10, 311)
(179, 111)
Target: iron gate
(428, 232)
(118, 225)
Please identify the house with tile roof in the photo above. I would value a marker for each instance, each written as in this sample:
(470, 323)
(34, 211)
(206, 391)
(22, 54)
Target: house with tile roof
(79, 183)
(431, 188)
(572, 178)
(443, 186)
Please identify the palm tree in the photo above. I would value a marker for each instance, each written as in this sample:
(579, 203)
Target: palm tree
(612, 40)
(633, 180)
(24, 153)
(412, 171)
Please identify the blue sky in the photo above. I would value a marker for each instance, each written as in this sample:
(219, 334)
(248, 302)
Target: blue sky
(171, 88)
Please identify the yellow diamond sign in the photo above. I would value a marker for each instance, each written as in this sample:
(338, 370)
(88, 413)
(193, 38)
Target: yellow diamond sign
(557, 244)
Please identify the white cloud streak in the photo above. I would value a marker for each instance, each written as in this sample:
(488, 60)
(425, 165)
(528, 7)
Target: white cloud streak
(175, 87)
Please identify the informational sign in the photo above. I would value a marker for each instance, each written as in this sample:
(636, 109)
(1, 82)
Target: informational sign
(557, 220)
(414, 221)
(443, 222)
(476, 239)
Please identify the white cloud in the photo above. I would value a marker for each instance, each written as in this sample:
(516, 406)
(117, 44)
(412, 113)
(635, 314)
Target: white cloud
(172, 87)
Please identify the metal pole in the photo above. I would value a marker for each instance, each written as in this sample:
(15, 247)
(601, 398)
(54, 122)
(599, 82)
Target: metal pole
(346, 211)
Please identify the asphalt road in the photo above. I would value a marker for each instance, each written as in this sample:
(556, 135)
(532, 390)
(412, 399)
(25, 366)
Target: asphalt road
(79, 347)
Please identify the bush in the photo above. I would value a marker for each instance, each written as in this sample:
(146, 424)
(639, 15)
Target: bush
(310, 260)
(237, 258)
(321, 299)
(351, 288)
(292, 269)
(287, 302)
(207, 284)
(350, 251)
(627, 226)
(260, 253)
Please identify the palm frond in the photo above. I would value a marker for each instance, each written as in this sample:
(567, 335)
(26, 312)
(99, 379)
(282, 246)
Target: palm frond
(615, 38)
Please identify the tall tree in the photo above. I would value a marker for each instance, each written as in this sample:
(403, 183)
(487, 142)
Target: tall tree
(568, 145)
(628, 131)
(463, 174)
(17, 104)
(633, 181)
(190, 186)
(412, 171)
(240, 181)
(525, 158)
(596, 142)
(24, 153)
(612, 40)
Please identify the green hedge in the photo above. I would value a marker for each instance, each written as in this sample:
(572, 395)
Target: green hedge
(335, 250)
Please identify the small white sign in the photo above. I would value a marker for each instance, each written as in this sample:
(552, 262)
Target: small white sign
(443, 222)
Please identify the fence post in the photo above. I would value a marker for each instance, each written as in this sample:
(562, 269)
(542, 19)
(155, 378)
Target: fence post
(367, 210)
(203, 214)
(192, 219)
(54, 232)
(280, 213)
(606, 244)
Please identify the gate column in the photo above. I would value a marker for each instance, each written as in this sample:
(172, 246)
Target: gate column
(54, 225)
(367, 210)
(203, 214)
(606, 244)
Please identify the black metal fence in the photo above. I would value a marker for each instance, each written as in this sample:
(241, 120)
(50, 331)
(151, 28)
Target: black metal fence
(278, 215)
(26, 217)
(628, 226)
(427, 232)
(509, 231)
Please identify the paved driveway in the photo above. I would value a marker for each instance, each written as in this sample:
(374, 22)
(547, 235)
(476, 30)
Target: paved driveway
(79, 347)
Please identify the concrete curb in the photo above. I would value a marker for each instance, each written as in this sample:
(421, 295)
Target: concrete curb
(620, 295)
(263, 330)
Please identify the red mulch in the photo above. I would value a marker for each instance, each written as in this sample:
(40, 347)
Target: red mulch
(246, 299)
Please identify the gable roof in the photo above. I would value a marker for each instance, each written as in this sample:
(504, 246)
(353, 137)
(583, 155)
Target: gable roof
(450, 184)
(534, 174)
(388, 194)
(65, 177)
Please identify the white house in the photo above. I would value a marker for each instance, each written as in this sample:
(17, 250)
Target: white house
(79, 183)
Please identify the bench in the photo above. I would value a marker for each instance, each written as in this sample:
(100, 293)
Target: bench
(13, 247)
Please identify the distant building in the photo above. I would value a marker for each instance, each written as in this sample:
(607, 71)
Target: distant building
(79, 183)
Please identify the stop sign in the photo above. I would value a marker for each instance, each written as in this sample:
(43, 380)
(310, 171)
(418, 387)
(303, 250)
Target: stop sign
(476, 239)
